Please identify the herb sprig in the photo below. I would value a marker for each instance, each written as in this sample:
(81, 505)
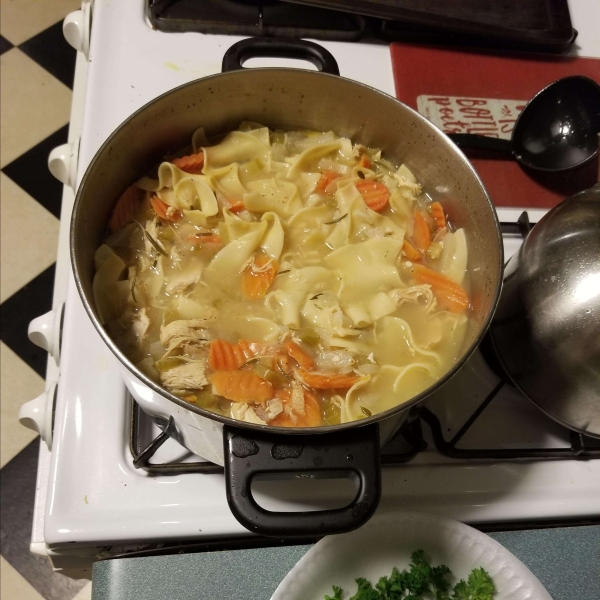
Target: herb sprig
(422, 579)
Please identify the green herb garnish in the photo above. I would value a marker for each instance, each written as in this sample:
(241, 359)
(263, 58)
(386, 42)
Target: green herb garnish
(422, 581)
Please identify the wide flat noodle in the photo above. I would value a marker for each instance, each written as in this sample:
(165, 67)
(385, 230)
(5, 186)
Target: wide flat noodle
(366, 267)
(389, 388)
(225, 269)
(237, 146)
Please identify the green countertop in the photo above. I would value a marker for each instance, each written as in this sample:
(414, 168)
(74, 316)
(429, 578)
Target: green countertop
(566, 560)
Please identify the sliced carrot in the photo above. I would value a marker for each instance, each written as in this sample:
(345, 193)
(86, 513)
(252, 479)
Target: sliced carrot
(125, 208)
(190, 164)
(328, 381)
(224, 356)
(364, 162)
(437, 212)
(449, 294)
(374, 193)
(236, 206)
(162, 210)
(421, 236)
(299, 355)
(241, 386)
(258, 277)
(326, 178)
(312, 416)
(410, 252)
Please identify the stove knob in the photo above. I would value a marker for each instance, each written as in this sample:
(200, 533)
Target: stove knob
(62, 163)
(38, 414)
(76, 29)
(45, 332)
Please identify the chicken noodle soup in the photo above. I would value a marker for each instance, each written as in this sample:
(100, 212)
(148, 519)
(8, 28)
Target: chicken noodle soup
(285, 278)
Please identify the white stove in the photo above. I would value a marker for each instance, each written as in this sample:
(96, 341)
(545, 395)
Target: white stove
(90, 499)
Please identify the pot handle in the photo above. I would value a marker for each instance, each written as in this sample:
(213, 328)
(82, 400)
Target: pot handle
(282, 48)
(249, 453)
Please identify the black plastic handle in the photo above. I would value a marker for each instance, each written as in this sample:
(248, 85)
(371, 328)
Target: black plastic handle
(248, 454)
(481, 142)
(282, 48)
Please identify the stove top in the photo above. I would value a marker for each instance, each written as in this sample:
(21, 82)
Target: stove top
(100, 494)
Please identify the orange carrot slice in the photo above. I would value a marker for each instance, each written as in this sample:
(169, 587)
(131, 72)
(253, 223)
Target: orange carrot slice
(312, 416)
(299, 355)
(364, 162)
(190, 164)
(328, 381)
(162, 210)
(326, 178)
(236, 206)
(437, 212)
(241, 386)
(374, 193)
(449, 294)
(409, 251)
(224, 356)
(258, 277)
(421, 236)
(125, 208)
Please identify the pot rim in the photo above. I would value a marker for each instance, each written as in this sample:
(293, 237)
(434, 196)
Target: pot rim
(323, 429)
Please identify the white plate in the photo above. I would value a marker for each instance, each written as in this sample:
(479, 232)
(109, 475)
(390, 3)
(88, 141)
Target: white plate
(388, 540)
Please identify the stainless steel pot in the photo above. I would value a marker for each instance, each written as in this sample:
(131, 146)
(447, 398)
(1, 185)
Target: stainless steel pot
(546, 331)
(289, 99)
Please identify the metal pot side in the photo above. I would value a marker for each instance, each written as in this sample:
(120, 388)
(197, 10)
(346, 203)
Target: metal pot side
(291, 99)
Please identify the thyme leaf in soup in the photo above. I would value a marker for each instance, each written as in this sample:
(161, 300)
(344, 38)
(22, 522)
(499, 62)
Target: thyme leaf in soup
(336, 220)
(154, 243)
(133, 289)
(250, 361)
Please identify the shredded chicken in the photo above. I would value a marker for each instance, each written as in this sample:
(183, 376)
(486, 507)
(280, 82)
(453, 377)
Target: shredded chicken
(182, 332)
(140, 325)
(183, 280)
(274, 407)
(190, 376)
(414, 294)
(244, 412)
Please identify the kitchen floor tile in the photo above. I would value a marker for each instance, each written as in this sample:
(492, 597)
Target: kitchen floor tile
(4, 45)
(13, 586)
(85, 593)
(23, 258)
(22, 19)
(44, 187)
(28, 237)
(51, 50)
(16, 512)
(32, 300)
(19, 384)
(34, 104)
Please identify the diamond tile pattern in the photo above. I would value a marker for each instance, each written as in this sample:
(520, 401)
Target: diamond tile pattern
(50, 50)
(4, 45)
(43, 187)
(37, 67)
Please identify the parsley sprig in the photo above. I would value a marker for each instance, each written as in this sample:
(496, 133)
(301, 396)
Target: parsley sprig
(420, 582)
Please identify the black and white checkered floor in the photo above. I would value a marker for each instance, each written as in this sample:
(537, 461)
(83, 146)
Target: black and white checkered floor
(37, 67)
